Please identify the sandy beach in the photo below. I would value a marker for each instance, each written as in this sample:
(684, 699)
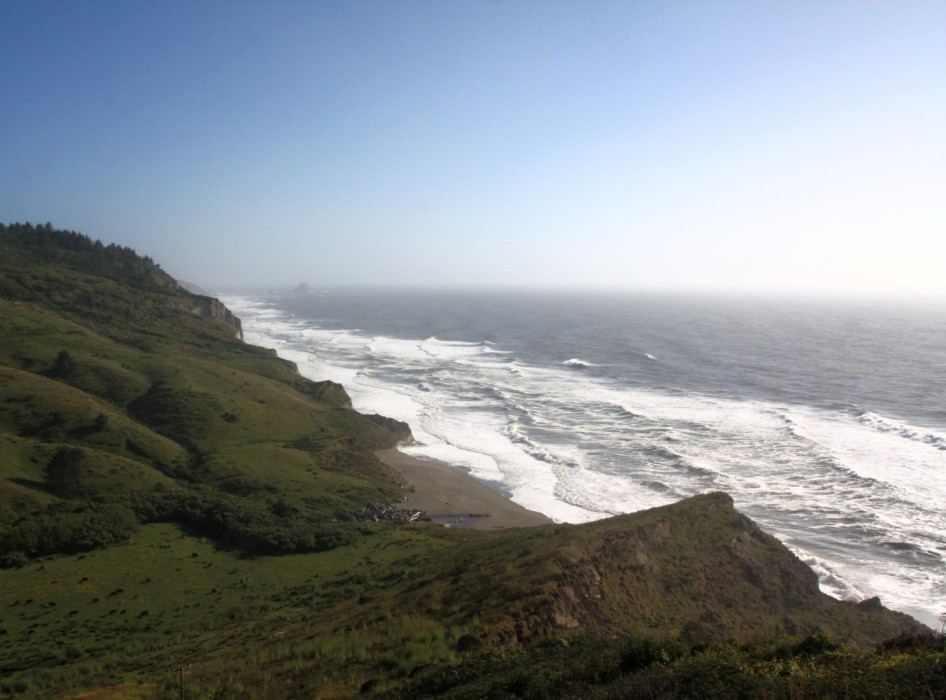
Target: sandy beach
(453, 497)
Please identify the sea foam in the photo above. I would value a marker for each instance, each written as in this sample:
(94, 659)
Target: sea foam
(837, 486)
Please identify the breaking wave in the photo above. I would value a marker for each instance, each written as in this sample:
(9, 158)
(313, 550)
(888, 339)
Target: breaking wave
(577, 363)
(885, 425)
(857, 495)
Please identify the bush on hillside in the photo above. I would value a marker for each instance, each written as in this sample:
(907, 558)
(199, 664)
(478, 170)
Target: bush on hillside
(65, 473)
(65, 529)
(63, 365)
(244, 523)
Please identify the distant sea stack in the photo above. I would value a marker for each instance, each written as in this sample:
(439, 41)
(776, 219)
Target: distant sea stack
(303, 288)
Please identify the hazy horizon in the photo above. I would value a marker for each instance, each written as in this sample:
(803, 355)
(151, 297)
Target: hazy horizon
(771, 298)
(725, 147)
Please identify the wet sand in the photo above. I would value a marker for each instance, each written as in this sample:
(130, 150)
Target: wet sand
(452, 497)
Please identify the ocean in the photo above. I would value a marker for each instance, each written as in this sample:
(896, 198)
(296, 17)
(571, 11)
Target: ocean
(825, 421)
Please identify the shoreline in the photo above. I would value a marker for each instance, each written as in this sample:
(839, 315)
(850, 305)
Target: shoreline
(455, 499)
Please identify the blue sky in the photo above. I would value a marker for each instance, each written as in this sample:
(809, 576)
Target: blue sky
(751, 146)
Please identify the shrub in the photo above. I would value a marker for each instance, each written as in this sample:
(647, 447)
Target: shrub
(65, 530)
(65, 473)
(468, 642)
(13, 560)
(641, 652)
(63, 365)
(243, 522)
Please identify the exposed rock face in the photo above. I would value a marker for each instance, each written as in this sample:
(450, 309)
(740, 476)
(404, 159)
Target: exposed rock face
(214, 310)
(327, 391)
(695, 565)
(398, 428)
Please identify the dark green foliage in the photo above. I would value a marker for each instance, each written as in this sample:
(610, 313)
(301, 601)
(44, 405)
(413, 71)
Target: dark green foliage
(12, 559)
(65, 530)
(244, 523)
(640, 652)
(79, 252)
(100, 423)
(87, 281)
(650, 667)
(65, 473)
(63, 365)
(817, 643)
(179, 414)
(469, 642)
(913, 642)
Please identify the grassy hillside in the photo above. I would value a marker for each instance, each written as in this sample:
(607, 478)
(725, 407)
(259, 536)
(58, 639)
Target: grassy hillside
(179, 509)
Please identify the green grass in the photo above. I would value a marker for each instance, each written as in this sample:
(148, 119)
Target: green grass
(202, 420)
(183, 599)
(207, 457)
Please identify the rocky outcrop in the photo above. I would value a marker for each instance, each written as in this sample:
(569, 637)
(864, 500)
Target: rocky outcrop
(697, 566)
(214, 310)
(399, 429)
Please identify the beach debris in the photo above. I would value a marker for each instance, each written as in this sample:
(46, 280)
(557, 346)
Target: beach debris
(388, 513)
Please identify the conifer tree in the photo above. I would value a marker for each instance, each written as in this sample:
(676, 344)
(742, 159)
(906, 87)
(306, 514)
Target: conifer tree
(65, 472)
(63, 365)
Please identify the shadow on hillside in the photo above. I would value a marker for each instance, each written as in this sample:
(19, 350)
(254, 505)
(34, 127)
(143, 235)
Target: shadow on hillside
(28, 483)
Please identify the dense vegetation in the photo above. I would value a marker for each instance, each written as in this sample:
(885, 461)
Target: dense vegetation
(673, 667)
(181, 510)
(143, 405)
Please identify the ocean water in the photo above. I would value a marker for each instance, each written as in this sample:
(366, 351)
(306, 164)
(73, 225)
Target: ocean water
(826, 422)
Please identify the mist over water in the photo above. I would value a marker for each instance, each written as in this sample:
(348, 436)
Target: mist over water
(825, 422)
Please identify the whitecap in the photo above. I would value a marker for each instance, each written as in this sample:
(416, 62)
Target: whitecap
(878, 422)
(829, 580)
(583, 447)
(577, 363)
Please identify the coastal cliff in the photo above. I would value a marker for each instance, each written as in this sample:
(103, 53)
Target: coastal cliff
(166, 487)
(214, 310)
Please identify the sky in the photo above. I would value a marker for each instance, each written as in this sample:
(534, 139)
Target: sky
(703, 145)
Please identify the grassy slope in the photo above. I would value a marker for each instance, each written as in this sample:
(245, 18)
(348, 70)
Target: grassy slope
(189, 410)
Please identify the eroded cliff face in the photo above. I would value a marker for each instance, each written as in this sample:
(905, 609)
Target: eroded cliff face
(214, 310)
